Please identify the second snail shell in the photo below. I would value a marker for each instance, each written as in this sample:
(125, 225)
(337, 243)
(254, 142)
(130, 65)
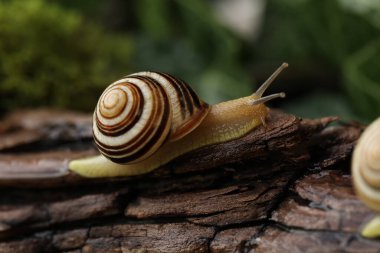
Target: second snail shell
(366, 166)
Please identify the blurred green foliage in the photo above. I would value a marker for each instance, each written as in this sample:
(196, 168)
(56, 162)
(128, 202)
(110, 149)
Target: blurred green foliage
(332, 47)
(185, 38)
(52, 57)
(362, 79)
(332, 36)
(317, 32)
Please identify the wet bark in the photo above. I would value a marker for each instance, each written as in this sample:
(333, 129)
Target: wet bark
(285, 187)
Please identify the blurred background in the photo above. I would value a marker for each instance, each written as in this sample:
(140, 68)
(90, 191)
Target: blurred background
(63, 53)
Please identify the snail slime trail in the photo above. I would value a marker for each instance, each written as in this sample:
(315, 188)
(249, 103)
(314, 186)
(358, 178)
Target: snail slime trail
(147, 119)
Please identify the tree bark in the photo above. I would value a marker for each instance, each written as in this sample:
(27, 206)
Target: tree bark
(285, 187)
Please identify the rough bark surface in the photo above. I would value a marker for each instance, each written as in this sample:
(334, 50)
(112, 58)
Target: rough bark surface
(285, 187)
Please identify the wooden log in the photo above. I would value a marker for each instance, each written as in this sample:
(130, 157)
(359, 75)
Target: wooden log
(285, 187)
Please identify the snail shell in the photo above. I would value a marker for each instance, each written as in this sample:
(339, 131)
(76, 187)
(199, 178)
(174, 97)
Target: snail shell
(366, 166)
(136, 115)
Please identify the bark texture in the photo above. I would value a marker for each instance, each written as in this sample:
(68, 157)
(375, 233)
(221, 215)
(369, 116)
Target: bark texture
(285, 187)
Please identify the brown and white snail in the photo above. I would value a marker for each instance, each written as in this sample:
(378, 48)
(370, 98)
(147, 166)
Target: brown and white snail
(146, 119)
(366, 174)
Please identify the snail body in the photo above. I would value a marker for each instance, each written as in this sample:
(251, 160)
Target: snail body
(366, 174)
(135, 138)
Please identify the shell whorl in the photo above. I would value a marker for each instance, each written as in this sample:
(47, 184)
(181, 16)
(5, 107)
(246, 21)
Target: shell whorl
(366, 166)
(137, 114)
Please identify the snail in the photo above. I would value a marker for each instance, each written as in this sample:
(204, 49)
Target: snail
(366, 174)
(147, 119)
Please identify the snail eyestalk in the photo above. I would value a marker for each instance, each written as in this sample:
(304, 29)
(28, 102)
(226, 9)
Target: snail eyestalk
(260, 91)
(267, 98)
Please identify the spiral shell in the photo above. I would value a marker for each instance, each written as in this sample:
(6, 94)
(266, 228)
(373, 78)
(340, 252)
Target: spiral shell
(137, 114)
(366, 166)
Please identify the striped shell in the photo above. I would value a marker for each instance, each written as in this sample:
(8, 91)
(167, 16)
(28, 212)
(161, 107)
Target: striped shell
(366, 166)
(137, 114)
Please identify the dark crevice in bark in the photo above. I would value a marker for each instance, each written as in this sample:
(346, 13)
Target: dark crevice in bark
(291, 229)
(50, 145)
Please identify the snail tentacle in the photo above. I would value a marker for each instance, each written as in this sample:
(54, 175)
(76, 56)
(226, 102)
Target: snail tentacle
(260, 91)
